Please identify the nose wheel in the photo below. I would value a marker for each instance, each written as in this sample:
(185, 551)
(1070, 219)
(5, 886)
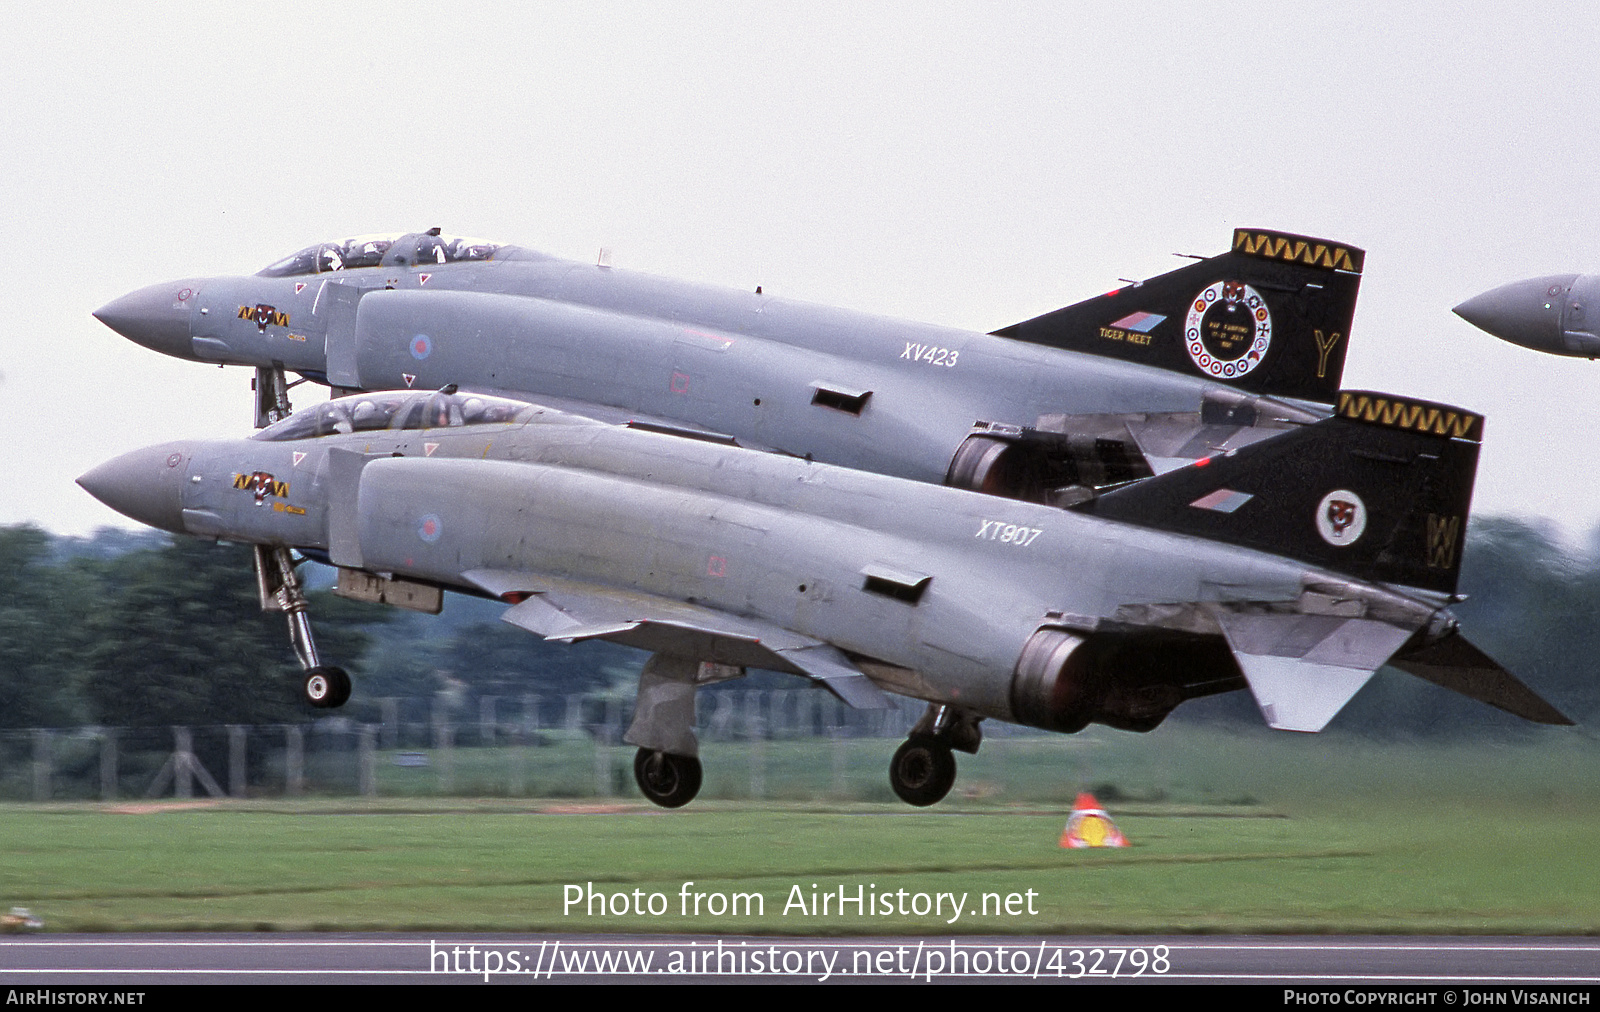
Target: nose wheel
(922, 771)
(326, 687)
(668, 780)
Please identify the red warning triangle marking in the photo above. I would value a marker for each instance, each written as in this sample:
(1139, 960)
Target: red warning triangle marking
(428, 448)
(299, 286)
(422, 279)
(299, 455)
(408, 377)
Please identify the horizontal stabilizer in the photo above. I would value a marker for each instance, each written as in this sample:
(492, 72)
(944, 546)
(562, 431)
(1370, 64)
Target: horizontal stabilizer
(571, 611)
(1100, 450)
(1226, 422)
(1303, 669)
(1456, 664)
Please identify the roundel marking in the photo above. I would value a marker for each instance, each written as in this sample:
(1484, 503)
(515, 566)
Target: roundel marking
(1341, 518)
(1228, 330)
(421, 347)
(429, 528)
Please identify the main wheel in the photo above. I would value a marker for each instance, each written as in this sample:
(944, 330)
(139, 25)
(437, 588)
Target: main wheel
(670, 781)
(326, 687)
(922, 772)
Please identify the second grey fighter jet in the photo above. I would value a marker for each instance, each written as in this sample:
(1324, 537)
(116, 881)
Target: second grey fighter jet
(1295, 566)
(1122, 386)
(1558, 314)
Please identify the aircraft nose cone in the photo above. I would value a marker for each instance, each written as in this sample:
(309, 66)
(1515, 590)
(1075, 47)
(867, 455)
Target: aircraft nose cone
(1524, 312)
(145, 485)
(156, 317)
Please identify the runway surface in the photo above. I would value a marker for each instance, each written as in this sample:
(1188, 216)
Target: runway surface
(113, 961)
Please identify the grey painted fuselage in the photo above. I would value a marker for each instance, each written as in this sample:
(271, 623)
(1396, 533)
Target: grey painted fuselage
(848, 388)
(757, 536)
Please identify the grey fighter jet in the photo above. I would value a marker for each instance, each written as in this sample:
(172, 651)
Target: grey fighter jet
(1132, 383)
(1549, 314)
(1295, 566)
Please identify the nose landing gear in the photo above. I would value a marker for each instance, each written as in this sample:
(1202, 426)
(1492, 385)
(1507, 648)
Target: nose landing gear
(279, 588)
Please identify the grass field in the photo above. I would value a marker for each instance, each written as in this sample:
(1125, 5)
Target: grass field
(1231, 833)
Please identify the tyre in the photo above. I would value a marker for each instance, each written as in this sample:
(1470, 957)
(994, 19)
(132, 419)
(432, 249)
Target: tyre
(922, 772)
(668, 780)
(326, 687)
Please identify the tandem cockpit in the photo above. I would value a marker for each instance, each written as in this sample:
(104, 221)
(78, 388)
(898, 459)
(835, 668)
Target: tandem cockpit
(400, 409)
(399, 250)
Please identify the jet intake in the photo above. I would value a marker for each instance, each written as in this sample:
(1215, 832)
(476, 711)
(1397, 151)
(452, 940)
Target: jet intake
(1129, 680)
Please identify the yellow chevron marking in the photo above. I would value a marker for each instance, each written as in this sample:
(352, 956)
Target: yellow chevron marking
(1401, 414)
(1293, 249)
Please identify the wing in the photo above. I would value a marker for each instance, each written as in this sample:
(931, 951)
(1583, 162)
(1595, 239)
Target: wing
(570, 611)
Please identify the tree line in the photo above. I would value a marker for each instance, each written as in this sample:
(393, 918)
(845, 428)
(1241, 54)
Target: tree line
(136, 629)
(128, 629)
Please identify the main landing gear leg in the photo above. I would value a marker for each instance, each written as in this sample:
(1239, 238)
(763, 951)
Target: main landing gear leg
(279, 587)
(667, 767)
(924, 769)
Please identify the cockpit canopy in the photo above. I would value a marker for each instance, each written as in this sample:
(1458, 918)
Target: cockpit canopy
(376, 250)
(401, 409)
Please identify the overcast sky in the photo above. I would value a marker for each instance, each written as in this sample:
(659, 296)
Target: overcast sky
(969, 165)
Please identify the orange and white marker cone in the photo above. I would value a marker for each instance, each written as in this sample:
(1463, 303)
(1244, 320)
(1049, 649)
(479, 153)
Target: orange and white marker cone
(1090, 826)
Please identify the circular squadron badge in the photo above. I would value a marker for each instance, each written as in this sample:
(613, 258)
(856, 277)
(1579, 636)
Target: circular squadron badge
(1228, 330)
(1341, 518)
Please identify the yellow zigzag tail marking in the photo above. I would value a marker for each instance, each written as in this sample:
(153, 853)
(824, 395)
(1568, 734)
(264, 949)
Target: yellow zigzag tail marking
(1280, 248)
(1398, 414)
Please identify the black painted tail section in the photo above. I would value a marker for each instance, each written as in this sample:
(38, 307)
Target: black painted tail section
(1380, 492)
(1271, 316)
(1456, 664)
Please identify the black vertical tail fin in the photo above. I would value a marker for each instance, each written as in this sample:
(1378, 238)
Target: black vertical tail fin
(1271, 316)
(1380, 492)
